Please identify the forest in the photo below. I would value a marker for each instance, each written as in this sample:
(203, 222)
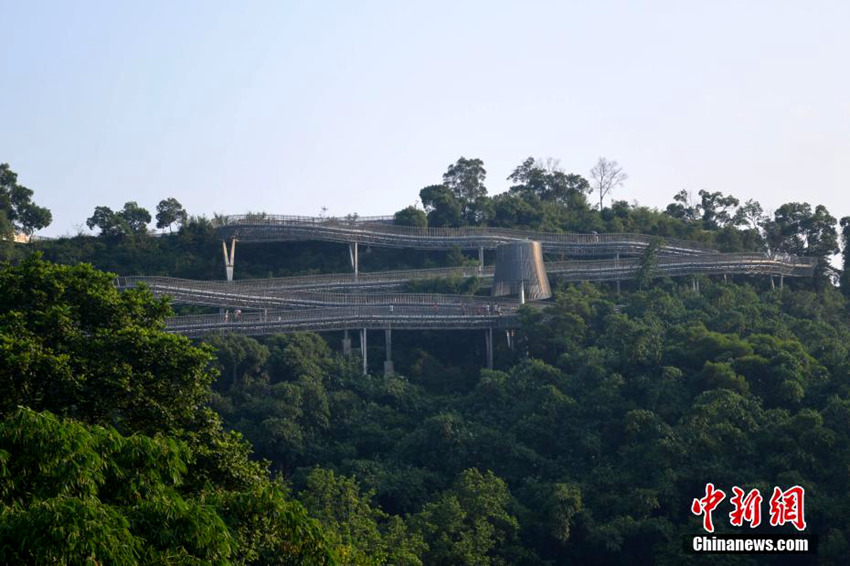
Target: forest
(121, 443)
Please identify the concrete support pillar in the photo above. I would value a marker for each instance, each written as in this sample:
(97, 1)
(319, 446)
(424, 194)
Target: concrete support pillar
(488, 340)
(355, 263)
(781, 281)
(481, 259)
(509, 338)
(229, 258)
(772, 284)
(363, 351)
(724, 278)
(522, 292)
(389, 370)
(346, 344)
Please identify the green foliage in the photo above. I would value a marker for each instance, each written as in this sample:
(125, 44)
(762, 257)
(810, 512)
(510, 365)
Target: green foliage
(73, 345)
(596, 442)
(648, 269)
(548, 182)
(74, 494)
(411, 216)
(469, 523)
(598, 428)
(441, 205)
(132, 220)
(465, 179)
(138, 471)
(363, 534)
(17, 211)
(168, 212)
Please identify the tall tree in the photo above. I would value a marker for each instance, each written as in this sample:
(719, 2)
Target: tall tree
(169, 211)
(17, 211)
(717, 209)
(796, 229)
(441, 205)
(684, 207)
(465, 179)
(110, 224)
(750, 214)
(136, 217)
(607, 176)
(549, 182)
(131, 220)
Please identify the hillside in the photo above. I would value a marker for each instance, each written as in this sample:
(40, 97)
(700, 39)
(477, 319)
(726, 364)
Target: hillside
(586, 442)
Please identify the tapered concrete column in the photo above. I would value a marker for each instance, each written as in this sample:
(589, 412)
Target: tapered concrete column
(488, 341)
(229, 258)
(346, 344)
(389, 370)
(355, 263)
(481, 259)
(363, 351)
(781, 281)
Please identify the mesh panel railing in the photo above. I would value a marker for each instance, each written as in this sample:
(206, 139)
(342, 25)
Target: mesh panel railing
(402, 317)
(265, 293)
(381, 232)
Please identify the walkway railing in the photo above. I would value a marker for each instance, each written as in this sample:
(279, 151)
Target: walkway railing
(402, 317)
(378, 231)
(317, 290)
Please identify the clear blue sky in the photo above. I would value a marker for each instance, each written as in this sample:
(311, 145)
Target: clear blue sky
(290, 106)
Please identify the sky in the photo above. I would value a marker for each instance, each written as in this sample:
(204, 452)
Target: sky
(289, 107)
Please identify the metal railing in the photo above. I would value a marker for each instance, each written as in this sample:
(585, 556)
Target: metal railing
(403, 317)
(378, 231)
(318, 290)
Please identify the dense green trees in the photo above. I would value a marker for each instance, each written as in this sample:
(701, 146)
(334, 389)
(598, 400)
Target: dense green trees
(465, 179)
(442, 206)
(589, 442)
(132, 220)
(585, 445)
(17, 211)
(137, 469)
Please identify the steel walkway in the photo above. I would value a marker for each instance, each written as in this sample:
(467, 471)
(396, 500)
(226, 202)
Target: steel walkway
(347, 289)
(380, 232)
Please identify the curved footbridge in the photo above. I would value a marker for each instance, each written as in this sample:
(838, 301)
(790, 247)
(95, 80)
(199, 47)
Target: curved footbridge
(380, 231)
(371, 301)
(341, 289)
